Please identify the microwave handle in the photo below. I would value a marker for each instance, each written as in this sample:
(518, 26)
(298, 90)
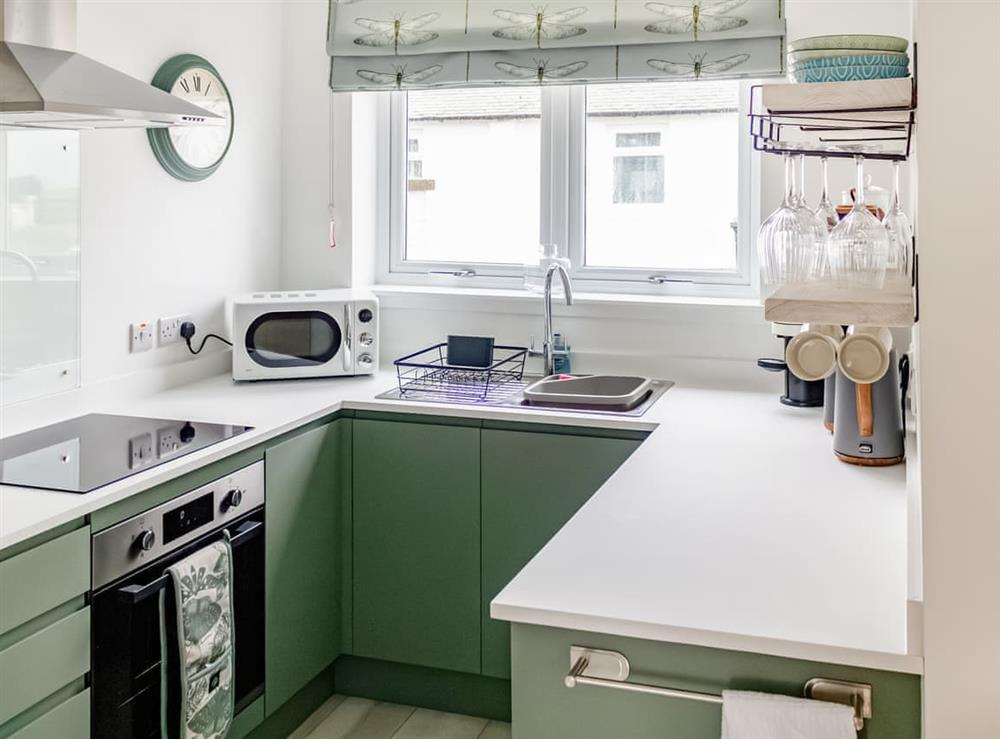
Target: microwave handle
(347, 338)
(137, 593)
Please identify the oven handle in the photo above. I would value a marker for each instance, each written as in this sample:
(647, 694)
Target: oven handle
(137, 593)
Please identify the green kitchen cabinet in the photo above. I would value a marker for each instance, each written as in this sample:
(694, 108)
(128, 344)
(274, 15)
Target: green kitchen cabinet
(307, 569)
(543, 706)
(532, 484)
(416, 543)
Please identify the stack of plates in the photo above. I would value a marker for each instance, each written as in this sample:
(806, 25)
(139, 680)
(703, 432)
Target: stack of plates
(848, 57)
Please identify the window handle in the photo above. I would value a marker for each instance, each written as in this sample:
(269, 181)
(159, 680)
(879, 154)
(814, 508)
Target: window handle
(454, 272)
(664, 280)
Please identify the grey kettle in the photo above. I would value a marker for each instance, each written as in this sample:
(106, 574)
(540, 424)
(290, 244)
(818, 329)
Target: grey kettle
(868, 419)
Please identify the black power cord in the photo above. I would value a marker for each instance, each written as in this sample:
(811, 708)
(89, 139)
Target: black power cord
(187, 331)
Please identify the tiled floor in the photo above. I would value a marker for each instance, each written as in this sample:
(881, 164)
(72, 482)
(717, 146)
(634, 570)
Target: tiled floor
(344, 717)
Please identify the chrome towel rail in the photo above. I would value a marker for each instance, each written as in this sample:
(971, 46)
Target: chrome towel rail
(604, 668)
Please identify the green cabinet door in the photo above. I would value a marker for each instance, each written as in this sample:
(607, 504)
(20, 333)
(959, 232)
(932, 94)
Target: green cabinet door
(308, 556)
(532, 484)
(416, 543)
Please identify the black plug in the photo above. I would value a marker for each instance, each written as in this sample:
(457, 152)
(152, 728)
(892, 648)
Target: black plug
(187, 333)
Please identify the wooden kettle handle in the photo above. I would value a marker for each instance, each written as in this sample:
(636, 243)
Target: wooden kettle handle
(866, 416)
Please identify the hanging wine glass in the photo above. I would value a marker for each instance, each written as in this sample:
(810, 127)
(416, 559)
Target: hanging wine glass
(897, 223)
(859, 245)
(818, 263)
(826, 211)
(785, 241)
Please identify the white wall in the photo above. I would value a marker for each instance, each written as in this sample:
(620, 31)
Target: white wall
(155, 246)
(959, 188)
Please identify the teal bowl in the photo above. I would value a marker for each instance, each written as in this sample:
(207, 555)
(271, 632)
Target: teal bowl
(854, 60)
(849, 73)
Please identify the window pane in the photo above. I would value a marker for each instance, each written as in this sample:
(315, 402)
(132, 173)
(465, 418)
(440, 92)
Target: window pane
(473, 189)
(662, 175)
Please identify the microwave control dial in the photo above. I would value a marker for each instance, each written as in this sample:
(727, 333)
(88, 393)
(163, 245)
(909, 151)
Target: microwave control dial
(365, 315)
(145, 541)
(232, 500)
(366, 339)
(365, 360)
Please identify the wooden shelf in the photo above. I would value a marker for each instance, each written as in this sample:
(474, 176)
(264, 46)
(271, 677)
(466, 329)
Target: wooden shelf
(893, 306)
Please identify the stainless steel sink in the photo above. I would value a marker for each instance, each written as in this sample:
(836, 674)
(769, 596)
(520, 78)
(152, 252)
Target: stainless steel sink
(593, 392)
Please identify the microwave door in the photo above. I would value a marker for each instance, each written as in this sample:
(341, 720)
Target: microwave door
(285, 339)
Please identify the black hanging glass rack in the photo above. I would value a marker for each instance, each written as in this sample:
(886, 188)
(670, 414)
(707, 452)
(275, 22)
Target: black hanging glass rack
(884, 133)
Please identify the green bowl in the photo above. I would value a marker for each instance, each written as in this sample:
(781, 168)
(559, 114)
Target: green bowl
(856, 42)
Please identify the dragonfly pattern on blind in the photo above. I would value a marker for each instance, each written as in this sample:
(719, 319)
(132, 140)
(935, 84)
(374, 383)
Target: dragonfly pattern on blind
(696, 16)
(399, 78)
(539, 25)
(397, 32)
(542, 70)
(697, 66)
(412, 44)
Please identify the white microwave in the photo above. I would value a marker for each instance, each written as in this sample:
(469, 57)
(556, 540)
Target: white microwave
(318, 333)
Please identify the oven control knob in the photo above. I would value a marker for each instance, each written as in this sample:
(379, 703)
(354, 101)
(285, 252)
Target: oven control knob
(232, 500)
(365, 360)
(365, 315)
(145, 541)
(366, 339)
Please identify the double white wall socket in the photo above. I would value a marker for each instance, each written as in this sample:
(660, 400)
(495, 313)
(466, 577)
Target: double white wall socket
(169, 329)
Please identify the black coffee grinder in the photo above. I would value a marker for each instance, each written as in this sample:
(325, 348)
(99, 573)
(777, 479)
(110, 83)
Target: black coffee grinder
(798, 393)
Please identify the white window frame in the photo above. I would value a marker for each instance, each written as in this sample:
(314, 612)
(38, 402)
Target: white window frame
(562, 212)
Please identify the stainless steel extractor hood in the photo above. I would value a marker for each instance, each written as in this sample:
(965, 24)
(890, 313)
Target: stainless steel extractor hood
(45, 83)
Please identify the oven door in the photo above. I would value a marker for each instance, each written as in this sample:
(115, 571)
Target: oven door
(298, 343)
(126, 669)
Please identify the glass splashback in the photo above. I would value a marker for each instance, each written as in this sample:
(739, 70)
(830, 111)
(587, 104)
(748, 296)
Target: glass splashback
(39, 263)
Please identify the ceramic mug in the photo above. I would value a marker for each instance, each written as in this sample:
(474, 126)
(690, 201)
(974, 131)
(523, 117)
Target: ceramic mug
(812, 353)
(864, 354)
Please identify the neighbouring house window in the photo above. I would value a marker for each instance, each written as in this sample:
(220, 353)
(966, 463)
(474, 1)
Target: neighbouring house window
(638, 179)
(639, 184)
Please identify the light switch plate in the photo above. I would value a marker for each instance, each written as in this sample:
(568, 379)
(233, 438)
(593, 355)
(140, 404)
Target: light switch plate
(141, 337)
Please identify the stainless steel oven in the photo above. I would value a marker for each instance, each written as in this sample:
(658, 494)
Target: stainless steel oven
(129, 560)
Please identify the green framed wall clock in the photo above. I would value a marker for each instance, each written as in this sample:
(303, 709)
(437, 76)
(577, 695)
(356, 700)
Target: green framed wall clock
(193, 153)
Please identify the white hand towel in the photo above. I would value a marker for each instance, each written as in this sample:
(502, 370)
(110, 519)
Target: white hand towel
(747, 715)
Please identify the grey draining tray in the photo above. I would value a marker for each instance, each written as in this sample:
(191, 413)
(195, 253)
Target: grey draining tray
(601, 392)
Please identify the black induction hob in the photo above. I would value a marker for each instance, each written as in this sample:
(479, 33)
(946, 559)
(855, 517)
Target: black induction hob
(85, 453)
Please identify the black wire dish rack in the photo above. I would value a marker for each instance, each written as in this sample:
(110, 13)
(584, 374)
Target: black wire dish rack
(426, 375)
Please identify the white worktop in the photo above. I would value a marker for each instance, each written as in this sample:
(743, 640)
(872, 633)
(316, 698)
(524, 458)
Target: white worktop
(732, 526)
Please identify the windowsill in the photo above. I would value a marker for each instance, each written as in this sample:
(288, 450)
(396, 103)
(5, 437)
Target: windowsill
(585, 305)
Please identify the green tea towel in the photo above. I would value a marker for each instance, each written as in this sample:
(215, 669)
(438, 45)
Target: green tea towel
(202, 584)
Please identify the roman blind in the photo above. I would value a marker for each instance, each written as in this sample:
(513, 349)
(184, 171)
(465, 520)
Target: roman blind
(402, 44)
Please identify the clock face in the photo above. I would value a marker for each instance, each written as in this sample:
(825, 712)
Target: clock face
(202, 146)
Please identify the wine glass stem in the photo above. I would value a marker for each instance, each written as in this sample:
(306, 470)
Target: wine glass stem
(802, 179)
(859, 193)
(895, 187)
(789, 180)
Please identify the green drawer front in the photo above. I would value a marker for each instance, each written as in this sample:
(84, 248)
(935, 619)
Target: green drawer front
(68, 720)
(38, 580)
(33, 669)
